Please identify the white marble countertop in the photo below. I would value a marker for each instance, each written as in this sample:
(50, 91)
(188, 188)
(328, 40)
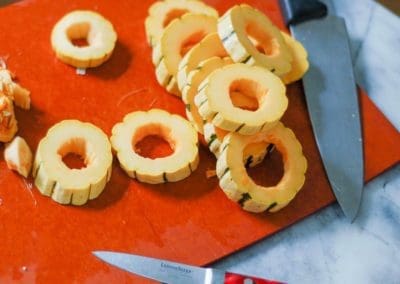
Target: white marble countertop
(325, 247)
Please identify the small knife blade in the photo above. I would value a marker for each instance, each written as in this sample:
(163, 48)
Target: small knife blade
(173, 272)
(331, 98)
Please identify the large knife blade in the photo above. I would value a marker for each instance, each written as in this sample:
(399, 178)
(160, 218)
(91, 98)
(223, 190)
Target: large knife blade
(174, 272)
(4, 3)
(331, 97)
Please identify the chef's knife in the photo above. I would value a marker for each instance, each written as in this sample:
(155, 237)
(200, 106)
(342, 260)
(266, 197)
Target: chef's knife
(173, 272)
(331, 97)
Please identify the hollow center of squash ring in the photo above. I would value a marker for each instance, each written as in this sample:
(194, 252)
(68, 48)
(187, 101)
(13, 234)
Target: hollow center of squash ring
(270, 171)
(153, 141)
(246, 94)
(191, 41)
(80, 34)
(75, 154)
(172, 15)
(263, 41)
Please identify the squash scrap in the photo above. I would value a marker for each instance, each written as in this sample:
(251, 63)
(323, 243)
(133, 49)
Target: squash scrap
(250, 37)
(162, 13)
(178, 132)
(177, 39)
(18, 156)
(69, 185)
(14, 91)
(239, 187)
(215, 104)
(98, 32)
(8, 123)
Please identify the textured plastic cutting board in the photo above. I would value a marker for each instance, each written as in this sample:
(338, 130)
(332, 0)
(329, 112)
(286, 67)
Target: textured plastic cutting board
(191, 220)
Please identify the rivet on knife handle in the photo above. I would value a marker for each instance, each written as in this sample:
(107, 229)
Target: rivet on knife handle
(233, 278)
(297, 11)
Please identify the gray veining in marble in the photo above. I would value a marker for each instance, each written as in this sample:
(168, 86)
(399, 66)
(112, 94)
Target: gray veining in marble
(358, 27)
(374, 33)
(325, 247)
(377, 66)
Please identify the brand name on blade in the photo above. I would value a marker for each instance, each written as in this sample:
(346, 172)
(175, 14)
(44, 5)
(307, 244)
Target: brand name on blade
(175, 267)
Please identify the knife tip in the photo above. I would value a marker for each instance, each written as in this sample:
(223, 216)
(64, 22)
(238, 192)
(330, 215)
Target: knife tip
(353, 217)
(351, 213)
(99, 253)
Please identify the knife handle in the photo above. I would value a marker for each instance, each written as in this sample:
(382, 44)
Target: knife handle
(297, 11)
(233, 278)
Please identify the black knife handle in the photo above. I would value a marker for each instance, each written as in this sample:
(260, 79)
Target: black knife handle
(297, 11)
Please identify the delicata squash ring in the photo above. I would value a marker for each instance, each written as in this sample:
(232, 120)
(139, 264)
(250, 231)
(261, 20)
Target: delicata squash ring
(253, 154)
(195, 77)
(98, 32)
(208, 47)
(73, 186)
(177, 131)
(251, 38)
(300, 63)
(161, 13)
(239, 187)
(215, 104)
(175, 42)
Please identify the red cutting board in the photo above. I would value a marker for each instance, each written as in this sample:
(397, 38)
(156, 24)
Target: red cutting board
(190, 221)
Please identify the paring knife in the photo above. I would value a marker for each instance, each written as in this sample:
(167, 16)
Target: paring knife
(331, 97)
(173, 272)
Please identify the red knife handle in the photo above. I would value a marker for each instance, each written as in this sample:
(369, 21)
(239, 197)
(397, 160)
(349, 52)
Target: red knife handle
(233, 278)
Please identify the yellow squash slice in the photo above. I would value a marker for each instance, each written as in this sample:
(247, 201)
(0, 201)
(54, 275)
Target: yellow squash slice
(215, 104)
(177, 39)
(253, 154)
(162, 13)
(8, 123)
(250, 37)
(90, 26)
(67, 185)
(198, 75)
(195, 77)
(239, 187)
(299, 64)
(208, 47)
(178, 132)
(18, 156)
